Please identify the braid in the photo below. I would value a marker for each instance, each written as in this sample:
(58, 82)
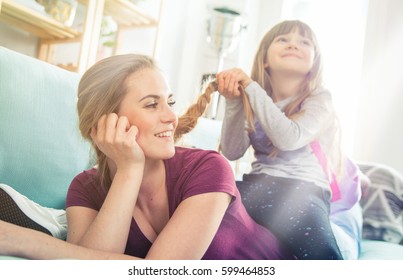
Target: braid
(188, 120)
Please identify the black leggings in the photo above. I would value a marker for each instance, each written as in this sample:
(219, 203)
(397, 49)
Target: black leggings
(297, 212)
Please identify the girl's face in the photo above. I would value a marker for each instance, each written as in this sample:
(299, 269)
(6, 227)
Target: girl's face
(290, 53)
(148, 106)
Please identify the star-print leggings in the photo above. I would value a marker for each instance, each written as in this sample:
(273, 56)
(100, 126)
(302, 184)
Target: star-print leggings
(297, 212)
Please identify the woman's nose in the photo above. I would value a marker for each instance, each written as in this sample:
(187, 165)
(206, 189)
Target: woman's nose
(168, 114)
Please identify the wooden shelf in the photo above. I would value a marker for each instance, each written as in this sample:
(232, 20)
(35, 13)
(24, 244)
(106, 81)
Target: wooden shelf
(126, 14)
(51, 32)
(34, 22)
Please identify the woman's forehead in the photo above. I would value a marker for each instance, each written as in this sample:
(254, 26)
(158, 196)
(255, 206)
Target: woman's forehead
(147, 82)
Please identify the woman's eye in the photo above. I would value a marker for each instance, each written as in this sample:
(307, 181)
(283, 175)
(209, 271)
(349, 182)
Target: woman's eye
(171, 103)
(152, 105)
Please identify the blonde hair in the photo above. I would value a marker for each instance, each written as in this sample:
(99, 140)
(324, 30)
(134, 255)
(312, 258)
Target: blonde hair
(313, 80)
(102, 89)
(188, 120)
(261, 75)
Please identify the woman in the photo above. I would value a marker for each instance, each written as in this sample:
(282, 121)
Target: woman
(295, 138)
(146, 198)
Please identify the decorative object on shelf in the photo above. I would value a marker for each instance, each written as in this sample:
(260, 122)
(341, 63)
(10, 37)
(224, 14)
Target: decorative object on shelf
(109, 27)
(30, 16)
(107, 37)
(223, 31)
(32, 5)
(61, 10)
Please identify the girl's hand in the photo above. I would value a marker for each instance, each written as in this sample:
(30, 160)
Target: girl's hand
(116, 138)
(230, 80)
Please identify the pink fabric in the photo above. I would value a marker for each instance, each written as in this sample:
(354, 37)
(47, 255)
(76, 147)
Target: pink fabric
(347, 191)
(334, 186)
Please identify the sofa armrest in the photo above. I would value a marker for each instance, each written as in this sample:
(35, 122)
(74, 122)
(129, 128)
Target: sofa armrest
(41, 148)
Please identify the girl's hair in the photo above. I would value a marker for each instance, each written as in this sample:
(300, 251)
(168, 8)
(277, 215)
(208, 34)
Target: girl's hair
(261, 74)
(189, 119)
(312, 82)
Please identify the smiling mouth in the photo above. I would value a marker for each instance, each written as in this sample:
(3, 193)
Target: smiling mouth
(164, 134)
(291, 55)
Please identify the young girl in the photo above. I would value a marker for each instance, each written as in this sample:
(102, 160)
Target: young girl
(295, 139)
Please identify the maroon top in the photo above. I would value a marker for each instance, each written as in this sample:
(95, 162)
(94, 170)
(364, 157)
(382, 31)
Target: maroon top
(191, 172)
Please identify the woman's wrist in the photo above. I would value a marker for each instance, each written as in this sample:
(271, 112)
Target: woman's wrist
(12, 239)
(130, 172)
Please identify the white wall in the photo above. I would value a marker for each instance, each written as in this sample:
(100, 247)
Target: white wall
(184, 54)
(18, 40)
(379, 136)
(183, 50)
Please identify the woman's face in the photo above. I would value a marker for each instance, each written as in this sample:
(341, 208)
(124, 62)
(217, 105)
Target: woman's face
(148, 105)
(290, 53)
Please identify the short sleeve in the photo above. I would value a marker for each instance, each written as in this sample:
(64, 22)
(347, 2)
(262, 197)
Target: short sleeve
(208, 172)
(85, 190)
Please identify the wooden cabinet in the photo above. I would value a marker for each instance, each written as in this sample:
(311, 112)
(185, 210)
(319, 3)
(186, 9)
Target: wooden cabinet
(51, 32)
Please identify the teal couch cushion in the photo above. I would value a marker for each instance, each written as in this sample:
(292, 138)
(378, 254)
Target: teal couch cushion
(41, 149)
(380, 250)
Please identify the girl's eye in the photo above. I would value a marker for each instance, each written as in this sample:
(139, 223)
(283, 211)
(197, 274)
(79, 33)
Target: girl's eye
(306, 42)
(281, 39)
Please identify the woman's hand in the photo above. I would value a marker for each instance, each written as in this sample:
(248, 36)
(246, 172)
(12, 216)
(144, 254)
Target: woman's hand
(108, 228)
(116, 138)
(230, 80)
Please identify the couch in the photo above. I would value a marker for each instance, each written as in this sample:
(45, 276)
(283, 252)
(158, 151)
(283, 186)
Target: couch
(41, 149)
